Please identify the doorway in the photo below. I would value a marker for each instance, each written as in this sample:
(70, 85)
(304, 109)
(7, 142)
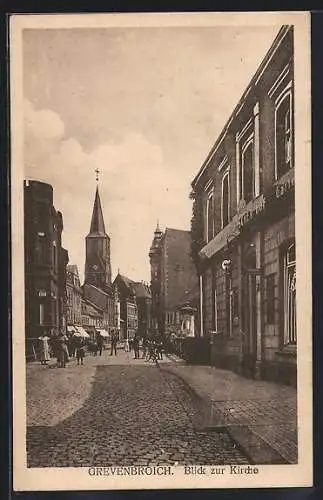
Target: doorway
(250, 311)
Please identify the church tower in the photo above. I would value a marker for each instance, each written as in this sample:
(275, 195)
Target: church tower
(155, 255)
(97, 242)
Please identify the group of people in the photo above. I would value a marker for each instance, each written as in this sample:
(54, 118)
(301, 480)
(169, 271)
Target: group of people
(63, 347)
(152, 347)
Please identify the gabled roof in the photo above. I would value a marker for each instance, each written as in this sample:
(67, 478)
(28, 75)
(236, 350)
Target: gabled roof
(135, 287)
(97, 222)
(283, 32)
(141, 290)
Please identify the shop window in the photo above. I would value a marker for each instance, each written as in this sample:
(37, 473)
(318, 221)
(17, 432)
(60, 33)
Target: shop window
(284, 134)
(225, 199)
(270, 296)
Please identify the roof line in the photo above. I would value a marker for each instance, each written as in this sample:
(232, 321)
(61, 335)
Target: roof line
(272, 50)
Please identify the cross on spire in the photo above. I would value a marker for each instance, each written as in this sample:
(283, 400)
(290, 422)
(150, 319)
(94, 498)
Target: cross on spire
(97, 172)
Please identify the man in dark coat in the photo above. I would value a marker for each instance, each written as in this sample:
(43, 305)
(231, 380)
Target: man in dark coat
(99, 343)
(114, 341)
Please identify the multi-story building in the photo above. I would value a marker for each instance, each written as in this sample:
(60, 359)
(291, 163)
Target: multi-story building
(133, 307)
(172, 274)
(243, 227)
(45, 264)
(74, 296)
(143, 302)
(127, 314)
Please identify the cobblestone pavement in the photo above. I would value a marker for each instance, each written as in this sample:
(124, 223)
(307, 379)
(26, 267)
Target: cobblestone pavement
(264, 409)
(126, 415)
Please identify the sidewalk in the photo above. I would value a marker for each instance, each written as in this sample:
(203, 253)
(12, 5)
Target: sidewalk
(260, 416)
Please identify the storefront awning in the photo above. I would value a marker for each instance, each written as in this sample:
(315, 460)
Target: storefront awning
(80, 332)
(71, 329)
(103, 333)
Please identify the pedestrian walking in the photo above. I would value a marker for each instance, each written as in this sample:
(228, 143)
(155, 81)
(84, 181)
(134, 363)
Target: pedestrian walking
(126, 345)
(99, 343)
(144, 347)
(63, 356)
(80, 351)
(136, 346)
(44, 350)
(114, 341)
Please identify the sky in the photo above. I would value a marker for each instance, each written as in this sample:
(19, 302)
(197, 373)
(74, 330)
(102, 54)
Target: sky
(144, 105)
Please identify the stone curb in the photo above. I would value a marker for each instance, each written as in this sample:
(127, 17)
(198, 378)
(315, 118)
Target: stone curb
(258, 451)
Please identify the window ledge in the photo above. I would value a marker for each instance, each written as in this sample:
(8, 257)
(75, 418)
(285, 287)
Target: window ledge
(287, 176)
(288, 350)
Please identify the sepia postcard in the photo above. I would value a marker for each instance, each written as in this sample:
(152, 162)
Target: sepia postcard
(161, 251)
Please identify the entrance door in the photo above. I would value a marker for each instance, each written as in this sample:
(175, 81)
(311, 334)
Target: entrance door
(249, 298)
(290, 297)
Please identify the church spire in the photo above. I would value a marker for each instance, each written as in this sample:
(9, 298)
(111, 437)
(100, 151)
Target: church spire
(97, 222)
(97, 243)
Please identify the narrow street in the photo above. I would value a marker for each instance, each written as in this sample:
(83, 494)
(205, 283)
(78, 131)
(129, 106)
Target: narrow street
(116, 411)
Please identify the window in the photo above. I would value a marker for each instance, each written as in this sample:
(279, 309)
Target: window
(225, 199)
(210, 216)
(54, 254)
(289, 290)
(247, 180)
(283, 134)
(41, 249)
(270, 305)
(41, 314)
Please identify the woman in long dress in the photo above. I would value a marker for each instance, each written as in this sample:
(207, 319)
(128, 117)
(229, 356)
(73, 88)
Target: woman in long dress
(44, 350)
(63, 355)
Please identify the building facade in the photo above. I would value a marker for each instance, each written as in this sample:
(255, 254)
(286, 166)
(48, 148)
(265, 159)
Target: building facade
(172, 274)
(45, 264)
(243, 227)
(133, 307)
(74, 296)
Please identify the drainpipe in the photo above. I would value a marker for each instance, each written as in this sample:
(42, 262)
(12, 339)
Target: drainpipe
(201, 305)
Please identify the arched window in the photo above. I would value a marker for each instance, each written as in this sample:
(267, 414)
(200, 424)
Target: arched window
(248, 171)
(283, 134)
(225, 207)
(210, 216)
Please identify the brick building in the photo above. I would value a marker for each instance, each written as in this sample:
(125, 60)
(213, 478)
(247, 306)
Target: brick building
(172, 274)
(243, 227)
(45, 264)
